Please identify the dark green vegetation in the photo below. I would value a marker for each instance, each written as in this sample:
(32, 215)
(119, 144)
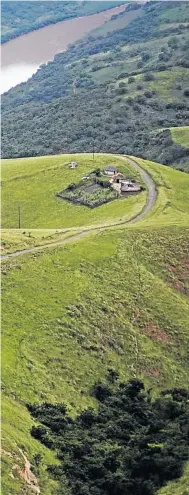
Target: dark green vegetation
(115, 300)
(131, 446)
(119, 87)
(23, 17)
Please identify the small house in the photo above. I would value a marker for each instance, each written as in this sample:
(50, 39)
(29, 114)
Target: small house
(110, 170)
(73, 165)
(118, 177)
(130, 188)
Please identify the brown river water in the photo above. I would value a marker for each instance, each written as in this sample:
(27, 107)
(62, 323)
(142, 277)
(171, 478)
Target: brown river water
(22, 57)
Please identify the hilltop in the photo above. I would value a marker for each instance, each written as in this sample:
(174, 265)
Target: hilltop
(33, 183)
(118, 87)
(114, 299)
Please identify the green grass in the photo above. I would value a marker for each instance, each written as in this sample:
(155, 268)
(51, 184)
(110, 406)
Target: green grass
(172, 204)
(180, 135)
(16, 438)
(34, 182)
(164, 84)
(16, 240)
(71, 313)
(114, 299)
(116, 24)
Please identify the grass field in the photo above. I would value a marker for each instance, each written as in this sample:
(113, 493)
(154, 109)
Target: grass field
(114, 299)
(115, 24)
(180, 135)
(34, 182)
(164, 83)
(172, 205)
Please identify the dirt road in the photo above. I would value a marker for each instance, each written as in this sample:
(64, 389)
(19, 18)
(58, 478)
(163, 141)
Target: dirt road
(151, 199)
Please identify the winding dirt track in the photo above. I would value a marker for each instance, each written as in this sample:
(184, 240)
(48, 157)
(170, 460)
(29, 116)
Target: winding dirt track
(151, 199)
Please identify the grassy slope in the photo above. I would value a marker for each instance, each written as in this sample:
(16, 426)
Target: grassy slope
(172, 205)
(16, 240)
(33, 183)
(103, 302)
(181, 136)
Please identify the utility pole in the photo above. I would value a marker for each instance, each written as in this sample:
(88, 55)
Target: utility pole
(19, 216)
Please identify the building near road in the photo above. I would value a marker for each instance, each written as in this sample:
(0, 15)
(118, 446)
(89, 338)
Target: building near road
(130, 188)
(110, 170)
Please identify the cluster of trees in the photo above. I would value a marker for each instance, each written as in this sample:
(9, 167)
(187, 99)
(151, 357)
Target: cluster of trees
(115, 124)
(131, 445)
(23, 17)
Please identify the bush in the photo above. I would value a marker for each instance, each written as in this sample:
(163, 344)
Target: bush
(148, 94)
(186, 92)
(149, 76)
(131, 79)
(145, 57)
(140, 64)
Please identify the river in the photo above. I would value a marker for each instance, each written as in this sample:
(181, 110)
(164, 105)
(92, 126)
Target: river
(22, 57)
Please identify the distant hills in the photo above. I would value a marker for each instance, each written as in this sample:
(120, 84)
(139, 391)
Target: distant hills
(117, 87)
(22, 17)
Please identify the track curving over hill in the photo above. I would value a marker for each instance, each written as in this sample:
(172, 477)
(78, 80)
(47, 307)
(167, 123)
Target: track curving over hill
(151, 199)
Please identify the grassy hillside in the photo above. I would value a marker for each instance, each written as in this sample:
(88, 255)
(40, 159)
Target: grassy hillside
(118, 87)
(181, 136)
(104, 303)
(114, 299)
(172, 204)
(34, 182)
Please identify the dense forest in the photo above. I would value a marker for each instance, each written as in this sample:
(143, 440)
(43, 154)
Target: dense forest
(132, 445)
(120, 87)
(28, 16)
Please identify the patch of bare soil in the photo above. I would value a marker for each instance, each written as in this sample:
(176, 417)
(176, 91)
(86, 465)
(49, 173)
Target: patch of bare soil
(26, 474)
(156, 333)
(151, 372)
(180, 276)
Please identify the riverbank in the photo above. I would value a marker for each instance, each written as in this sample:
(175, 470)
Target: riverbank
(22, 56)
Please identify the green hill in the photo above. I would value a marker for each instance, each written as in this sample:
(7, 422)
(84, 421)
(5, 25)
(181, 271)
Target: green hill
(116, 87)
(117, 298)
(34, 182)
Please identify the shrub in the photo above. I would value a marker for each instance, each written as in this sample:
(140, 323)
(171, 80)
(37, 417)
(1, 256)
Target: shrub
(145, 57)
(149, 76)
(186, 92)
(131, 79)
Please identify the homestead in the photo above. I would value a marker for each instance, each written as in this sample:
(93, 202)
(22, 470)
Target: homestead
(99, 187)
(110, 170)
(124, 185)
